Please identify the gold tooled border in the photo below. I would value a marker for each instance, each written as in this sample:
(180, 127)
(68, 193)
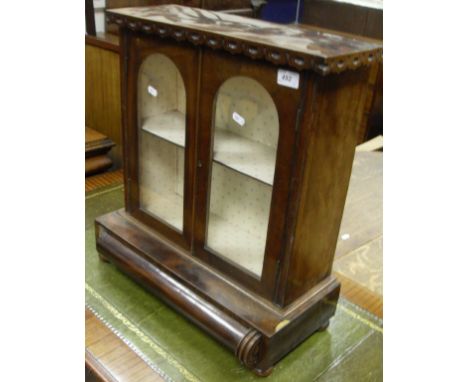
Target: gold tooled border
(97, 193)
(358, 317)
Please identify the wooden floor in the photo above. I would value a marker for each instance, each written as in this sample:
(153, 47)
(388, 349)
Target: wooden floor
(358, 258)
(356, 293)
(101, 180)
(108, 358)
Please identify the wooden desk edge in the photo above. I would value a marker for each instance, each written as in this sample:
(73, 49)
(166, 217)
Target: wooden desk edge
(97, 368)
(104, 370)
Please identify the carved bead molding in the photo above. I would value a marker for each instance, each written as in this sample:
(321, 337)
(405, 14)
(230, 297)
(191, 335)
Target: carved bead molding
(276, 56)
(248, 350)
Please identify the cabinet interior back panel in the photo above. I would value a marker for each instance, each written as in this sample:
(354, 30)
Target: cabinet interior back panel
(238, 220)
(161, 173)
(160, 88)
(248, 99)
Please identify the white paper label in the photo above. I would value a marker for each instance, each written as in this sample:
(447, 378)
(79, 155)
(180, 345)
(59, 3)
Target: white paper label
(152, 91)
(238, 118)
(288, 79)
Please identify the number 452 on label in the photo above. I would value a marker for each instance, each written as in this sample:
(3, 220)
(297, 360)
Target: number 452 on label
(288, 79)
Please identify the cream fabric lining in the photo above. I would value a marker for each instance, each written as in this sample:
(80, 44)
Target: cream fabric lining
(162, 139)
(161, 179)
(238, 220)
(242, 172)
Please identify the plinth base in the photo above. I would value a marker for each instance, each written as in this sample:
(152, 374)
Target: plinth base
(257, 331)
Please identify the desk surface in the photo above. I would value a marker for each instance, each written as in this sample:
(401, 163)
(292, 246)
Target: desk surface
(358, 265)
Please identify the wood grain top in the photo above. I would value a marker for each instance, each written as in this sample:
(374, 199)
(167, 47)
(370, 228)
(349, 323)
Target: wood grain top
(92, 135)
(302, 48)
(96, 142)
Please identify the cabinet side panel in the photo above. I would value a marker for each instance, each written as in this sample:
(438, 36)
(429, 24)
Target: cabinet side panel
(338, 107)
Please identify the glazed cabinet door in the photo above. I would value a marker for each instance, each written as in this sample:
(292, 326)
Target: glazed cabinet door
(160, 134)
(245, 152)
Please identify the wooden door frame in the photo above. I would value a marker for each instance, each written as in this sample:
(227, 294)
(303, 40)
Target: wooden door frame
(186, 58)
(216, 68)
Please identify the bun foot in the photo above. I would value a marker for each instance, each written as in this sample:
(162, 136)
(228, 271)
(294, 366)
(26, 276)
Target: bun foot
(103, 259)
(263, 373)
(324, 326)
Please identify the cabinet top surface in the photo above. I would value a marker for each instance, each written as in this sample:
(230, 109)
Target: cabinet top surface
(303, 47)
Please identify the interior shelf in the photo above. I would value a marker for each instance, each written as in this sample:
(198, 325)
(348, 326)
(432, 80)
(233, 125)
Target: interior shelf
(169, 126)
(240, 246)
(232, 150)
(245, 155)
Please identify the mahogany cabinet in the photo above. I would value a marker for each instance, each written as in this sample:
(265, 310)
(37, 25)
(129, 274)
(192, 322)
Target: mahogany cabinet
(239, 137)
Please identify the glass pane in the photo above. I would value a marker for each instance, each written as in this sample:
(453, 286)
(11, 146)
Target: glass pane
(242, 173)
(161, 121)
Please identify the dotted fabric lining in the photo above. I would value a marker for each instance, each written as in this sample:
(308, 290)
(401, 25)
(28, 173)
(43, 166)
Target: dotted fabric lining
(240, 200)
(161, 164)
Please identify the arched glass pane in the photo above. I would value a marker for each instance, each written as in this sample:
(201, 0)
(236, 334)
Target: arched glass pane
(161, 121)
(246, 129)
